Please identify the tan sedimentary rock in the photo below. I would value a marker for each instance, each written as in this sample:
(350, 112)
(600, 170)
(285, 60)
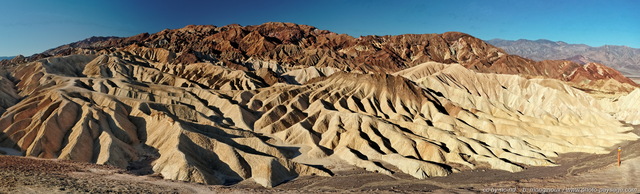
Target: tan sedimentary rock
(439, 119)
(107, 121)
(547, 113)
(272, 102)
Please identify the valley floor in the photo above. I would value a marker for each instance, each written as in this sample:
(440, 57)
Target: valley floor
(577, 172)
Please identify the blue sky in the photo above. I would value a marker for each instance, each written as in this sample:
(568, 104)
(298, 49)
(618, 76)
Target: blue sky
(31, 26)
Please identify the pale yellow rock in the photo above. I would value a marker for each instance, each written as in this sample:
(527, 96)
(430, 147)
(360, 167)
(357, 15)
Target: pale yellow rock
(206, 123)
(301, 76)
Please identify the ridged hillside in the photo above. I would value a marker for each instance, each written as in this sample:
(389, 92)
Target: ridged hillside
(269, 103)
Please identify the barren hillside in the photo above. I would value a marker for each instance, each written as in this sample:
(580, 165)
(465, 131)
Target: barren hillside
(269, 103)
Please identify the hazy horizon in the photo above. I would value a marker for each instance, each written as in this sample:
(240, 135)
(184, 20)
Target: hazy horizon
(33, 27)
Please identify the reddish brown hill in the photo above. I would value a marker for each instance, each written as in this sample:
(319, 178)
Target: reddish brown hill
(291, 46)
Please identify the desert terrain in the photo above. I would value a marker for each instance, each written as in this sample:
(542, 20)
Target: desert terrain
(282, 107)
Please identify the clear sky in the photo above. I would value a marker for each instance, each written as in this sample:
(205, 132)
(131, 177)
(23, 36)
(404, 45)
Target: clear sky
(32, 26)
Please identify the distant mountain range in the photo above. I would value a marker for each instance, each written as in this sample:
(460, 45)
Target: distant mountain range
(10, 57)
(624, 59)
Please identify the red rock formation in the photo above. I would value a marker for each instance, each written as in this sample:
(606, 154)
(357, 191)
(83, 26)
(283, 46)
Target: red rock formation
(291, 46)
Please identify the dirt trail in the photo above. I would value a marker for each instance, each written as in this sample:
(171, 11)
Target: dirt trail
(592, 173)
(33, 175)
